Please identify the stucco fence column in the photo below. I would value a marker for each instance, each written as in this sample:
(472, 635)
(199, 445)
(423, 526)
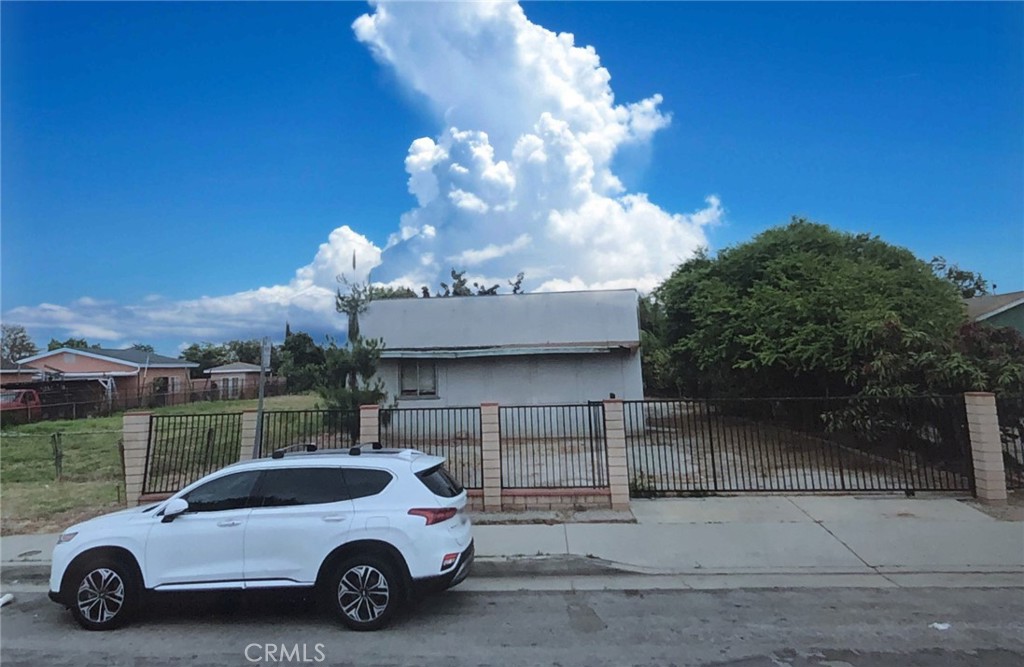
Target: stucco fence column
(986, 447)
(618, 469)
(248, 434)
(369, 423)
(135, 437)
(490, 437)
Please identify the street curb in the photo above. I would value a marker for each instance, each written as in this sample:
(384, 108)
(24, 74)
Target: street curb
(544, 566)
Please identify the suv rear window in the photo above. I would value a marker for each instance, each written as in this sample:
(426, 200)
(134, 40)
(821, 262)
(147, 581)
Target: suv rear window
(440, 481)
(363, 482)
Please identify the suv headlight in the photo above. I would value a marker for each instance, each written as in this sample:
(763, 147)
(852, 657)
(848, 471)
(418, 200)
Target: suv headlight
(66, 537)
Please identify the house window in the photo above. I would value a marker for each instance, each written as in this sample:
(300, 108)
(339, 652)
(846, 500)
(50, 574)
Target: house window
(418, 378)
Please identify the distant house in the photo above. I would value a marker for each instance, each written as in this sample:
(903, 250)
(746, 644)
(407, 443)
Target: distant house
(999, 310)
(12, 373)
(235, 380)
(522, 349)
(118, 374)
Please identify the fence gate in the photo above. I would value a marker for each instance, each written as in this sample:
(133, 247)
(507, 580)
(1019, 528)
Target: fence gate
(183, 448)
(694, 447)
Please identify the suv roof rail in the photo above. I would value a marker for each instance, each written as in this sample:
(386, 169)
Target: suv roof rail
(358, 449)
(279, 453)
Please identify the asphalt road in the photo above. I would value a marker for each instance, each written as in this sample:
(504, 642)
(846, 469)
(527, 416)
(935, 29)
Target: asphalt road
(748, 628)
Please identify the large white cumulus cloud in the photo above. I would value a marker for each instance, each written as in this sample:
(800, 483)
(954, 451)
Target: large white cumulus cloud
(521, 176)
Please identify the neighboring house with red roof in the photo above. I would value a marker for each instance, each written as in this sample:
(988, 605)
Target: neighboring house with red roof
(118, 374)
(999, 310)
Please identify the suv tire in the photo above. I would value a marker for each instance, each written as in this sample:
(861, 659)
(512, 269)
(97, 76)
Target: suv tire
(103, 593)
(364, 591)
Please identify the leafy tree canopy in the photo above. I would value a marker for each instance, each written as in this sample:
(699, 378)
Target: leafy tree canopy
(15, 343)
(302, 361)
(73, 343)
(968, 283)
(807, 310)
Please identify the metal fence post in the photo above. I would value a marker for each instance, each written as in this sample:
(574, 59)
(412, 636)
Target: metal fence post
(135, 427)
(986, 447)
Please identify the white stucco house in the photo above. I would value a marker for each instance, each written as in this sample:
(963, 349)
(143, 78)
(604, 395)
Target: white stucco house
(514, 349)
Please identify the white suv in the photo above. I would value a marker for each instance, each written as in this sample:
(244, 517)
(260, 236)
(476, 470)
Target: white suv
(368, 528)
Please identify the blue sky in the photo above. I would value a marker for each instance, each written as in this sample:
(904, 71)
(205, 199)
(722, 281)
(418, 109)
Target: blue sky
(155, 154)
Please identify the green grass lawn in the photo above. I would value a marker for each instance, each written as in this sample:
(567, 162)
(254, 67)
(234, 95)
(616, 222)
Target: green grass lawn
(33, 499)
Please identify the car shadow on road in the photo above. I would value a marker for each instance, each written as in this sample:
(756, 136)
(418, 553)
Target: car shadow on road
(300, 609)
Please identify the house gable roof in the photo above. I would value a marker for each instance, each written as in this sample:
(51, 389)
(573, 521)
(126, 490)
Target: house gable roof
(521, 322)
(984, 307)
(235, 367)
(136, 358)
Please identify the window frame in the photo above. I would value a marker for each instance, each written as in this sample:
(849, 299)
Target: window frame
(248, 504)
(417, 365)
(259, 499)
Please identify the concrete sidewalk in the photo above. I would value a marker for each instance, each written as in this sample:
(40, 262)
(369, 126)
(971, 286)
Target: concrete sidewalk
(755, 541)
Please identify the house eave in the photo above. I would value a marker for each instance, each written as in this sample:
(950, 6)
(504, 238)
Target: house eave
(1001, 309)
(467, 353)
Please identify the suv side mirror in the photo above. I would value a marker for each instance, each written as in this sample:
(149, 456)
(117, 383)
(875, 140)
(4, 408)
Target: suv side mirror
(173, 508)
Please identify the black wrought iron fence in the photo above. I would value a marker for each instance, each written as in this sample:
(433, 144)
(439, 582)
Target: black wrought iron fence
(183, 448)
(1011, 432)
(553, 446)
(327, 429)
(798, 444)
(453, 433)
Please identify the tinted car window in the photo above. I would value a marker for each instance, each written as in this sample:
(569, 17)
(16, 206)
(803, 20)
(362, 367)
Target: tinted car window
(224, 493)
(302, 486)
(363, 483)
(440, 482)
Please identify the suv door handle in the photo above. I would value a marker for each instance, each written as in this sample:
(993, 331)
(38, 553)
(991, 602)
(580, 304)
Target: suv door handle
(335, 518)
(229, 523)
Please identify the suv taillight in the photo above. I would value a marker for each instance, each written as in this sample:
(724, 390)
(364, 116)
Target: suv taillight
(435, 515)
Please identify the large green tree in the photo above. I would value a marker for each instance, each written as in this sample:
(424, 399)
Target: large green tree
(16, 343)
(73, 343)
(302, 361)
(805, 310)
(968, 283)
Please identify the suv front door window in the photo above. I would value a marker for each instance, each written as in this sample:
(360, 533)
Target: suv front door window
(205, 544)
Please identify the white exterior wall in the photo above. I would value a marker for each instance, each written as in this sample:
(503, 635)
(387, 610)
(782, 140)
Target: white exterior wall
(542, 379)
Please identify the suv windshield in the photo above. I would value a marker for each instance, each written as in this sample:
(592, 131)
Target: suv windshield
(440, 481)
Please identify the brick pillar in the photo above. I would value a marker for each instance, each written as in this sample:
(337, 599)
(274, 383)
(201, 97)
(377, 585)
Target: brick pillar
(615, 435)
(986, 447)
(135, 435)
(369, 423)
(490, 435)
(248, 437)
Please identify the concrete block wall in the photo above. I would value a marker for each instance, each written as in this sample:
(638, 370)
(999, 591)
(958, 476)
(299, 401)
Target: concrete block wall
(369, 423)
(135, 437)
(986, 447)
(247, 438)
